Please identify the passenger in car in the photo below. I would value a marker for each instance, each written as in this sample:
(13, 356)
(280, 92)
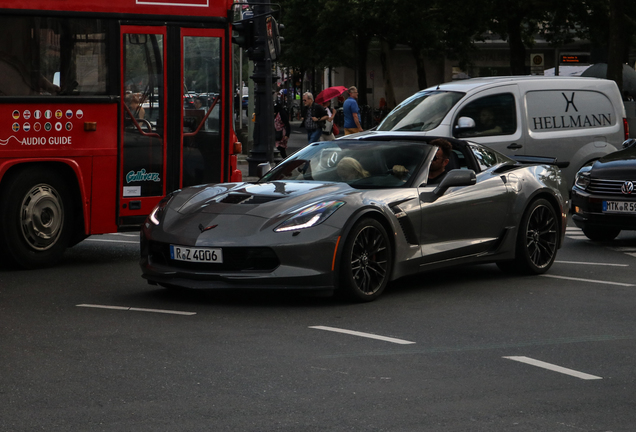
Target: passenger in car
(350, 169)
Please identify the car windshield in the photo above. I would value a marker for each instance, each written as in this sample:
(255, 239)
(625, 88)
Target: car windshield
(423, 111)
(361, 164)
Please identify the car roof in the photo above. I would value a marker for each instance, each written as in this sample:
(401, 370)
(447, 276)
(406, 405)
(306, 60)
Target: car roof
(478, 83)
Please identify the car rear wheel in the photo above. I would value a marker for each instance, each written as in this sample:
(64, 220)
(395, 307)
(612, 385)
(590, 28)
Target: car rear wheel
(36, 218)
(537, 240)
(601, 233)
(366, 262)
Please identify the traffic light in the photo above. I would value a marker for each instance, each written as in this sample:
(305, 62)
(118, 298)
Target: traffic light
(273, 37)
(243, 34)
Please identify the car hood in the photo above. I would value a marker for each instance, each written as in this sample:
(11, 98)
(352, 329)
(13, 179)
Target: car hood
(620, 165)
(264, 200)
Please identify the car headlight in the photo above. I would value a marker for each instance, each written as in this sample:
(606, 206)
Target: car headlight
(156, 213)
(309, 216)
(582, 180)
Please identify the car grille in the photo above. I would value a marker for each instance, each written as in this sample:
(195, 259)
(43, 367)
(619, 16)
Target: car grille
(234, 259)
(606, 187)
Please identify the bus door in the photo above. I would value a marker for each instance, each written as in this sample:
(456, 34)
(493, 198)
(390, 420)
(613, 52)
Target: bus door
(202, 137)
(143, 120)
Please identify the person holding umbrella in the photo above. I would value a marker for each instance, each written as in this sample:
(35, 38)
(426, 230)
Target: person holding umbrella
(352, 113)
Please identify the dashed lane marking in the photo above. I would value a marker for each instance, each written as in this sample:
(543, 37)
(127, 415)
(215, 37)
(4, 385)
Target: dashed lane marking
(111, 241)
(554, 368)
(587, 280)
(361, 334)
(133, 309)
(591, 263)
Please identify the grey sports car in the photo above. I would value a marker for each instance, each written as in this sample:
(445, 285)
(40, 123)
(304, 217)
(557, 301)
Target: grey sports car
(311, 224)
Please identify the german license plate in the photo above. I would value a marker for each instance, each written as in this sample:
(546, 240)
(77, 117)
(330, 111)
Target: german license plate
(619, 207)
(194, 254)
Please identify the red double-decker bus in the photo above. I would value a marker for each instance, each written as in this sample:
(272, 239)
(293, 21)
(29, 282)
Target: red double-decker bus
(106, 106)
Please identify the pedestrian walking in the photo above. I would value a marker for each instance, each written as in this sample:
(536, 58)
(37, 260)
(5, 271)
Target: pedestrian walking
(352, 113)
(283, 129)
(330, 128)
(314, 118)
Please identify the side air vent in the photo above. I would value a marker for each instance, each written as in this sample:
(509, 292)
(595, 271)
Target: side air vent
(405, 224)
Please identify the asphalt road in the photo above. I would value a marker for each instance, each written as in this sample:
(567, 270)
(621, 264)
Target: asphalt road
(90, 346)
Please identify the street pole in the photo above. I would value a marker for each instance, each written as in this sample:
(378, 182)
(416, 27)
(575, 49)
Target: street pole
(263, 150)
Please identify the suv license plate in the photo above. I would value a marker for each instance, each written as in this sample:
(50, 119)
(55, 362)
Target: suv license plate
(192, 254)
(619, 207)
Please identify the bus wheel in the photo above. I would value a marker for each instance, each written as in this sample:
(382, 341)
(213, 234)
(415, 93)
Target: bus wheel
(35, 218)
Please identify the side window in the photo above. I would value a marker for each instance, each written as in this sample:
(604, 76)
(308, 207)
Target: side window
(493, 115)
(52, 56)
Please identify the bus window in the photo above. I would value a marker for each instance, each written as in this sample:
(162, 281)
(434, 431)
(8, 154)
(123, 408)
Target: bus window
(202, 84)
(34, 50)
(143, 119)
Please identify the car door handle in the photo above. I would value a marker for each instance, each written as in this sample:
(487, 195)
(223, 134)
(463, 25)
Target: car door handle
(514, 146)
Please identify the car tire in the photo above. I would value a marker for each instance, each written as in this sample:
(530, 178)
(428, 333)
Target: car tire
(601, 233)
(36, 218)
(537, 240)
(367, 259)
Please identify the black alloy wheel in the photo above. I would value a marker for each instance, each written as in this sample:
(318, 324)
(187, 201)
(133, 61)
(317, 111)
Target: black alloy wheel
(537, 240)
(366, 261)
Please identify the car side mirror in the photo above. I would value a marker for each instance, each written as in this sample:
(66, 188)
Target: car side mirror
(464, 123)
(263, 168)
(456, 177)
(629, 143)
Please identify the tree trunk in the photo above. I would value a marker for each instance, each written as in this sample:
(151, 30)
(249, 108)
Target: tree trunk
(517, 48)
(385, 60)
(363, 48)
(419, 64)
(616, 43)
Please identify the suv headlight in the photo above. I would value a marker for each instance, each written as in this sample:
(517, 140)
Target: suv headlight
(582, 180)
(309, 216)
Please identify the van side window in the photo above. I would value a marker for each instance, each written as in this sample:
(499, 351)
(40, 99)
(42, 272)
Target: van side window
(493, 115)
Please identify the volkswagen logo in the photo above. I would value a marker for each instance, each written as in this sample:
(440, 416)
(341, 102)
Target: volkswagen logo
(627, 188)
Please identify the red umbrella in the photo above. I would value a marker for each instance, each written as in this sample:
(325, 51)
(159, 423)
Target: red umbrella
(330, 93)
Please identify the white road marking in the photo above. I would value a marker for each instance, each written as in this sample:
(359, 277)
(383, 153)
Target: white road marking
(576, 237)
(554, 368)
(587, 280)
(361, 334)
(126, 308)
(124, 234)
(590, 263)
(111, 241)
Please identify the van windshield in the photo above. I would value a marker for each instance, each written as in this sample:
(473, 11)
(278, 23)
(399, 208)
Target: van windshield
(423, 111)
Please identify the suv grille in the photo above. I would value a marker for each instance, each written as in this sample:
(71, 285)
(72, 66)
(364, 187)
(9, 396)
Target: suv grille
(606, 187)
(234, 259)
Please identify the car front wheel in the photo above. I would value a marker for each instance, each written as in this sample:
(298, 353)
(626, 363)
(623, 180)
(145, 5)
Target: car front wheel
(366, 262)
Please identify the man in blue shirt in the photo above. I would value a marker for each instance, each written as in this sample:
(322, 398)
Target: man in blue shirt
(352, 113)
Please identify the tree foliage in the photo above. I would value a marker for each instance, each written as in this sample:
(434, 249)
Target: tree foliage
(330, 33)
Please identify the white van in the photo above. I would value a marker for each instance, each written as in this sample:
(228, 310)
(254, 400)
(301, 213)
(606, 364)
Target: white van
(573, 119)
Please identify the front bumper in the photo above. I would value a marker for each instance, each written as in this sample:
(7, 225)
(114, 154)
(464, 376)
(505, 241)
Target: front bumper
(304, 262)
(587, 211)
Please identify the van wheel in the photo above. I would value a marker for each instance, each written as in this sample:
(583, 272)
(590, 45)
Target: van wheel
(601, 233)
(35, 218)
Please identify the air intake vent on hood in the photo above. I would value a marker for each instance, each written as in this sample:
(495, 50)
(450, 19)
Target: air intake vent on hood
(240, 198)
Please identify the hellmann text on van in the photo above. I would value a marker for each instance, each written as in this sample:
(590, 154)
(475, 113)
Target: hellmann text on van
(577, 121)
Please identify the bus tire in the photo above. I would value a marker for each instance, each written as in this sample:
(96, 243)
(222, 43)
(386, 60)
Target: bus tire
(36, 218)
